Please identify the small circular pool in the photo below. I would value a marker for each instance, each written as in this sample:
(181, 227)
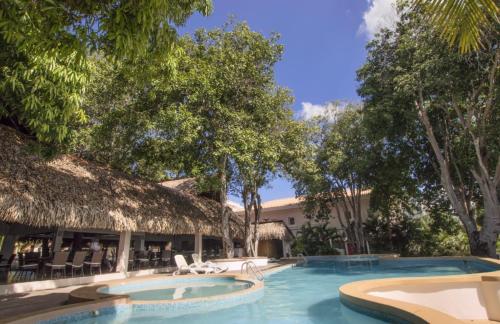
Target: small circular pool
(177, 288)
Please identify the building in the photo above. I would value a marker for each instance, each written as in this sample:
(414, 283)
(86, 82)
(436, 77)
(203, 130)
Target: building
(290, 212)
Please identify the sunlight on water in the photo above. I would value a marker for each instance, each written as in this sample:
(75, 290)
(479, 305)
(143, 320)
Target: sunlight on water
(307, 294)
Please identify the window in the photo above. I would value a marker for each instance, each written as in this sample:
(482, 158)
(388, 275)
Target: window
(291, 220)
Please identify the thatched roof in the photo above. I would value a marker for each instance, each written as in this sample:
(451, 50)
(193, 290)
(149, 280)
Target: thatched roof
(187, 185)
(73, 193)
(275, 230)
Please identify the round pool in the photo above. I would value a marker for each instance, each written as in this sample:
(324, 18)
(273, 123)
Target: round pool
(177, 288)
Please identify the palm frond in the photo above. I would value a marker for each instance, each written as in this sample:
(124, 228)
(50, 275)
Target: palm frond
(462, 22)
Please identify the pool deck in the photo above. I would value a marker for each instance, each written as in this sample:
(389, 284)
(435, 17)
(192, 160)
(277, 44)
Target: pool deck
(12, 306)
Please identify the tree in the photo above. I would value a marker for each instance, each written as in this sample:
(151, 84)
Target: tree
(412, 75)
(46, 45)
(275, 139)
(213, 112)
(337, 174)
(462, 22)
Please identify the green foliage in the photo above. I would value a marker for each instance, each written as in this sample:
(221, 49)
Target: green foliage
(318, 239)
(220, 102)
(429, 234)
(44, 68)
(336, 169)
(409, 71)
(218, 116)
(426, 237)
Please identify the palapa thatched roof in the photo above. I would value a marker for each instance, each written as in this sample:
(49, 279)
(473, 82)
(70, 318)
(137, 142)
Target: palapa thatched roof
(70, 192)
(187, 185)
(275, 230)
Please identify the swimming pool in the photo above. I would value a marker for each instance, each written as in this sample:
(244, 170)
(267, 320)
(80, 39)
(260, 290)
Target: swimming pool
(303, 294)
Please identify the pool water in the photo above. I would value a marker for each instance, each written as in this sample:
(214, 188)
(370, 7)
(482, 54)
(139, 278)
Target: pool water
(307, 294)
(188, 291)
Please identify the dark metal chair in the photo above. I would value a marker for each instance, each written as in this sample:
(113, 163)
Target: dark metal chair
(166, 257)
(142, 258)
(5, 267)
(28, 265)
(131, 260)
(154, 259)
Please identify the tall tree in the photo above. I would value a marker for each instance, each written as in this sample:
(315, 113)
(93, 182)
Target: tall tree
(336, 175)
(197, 120)
(46, 44)
(411, 75)
(274, 139)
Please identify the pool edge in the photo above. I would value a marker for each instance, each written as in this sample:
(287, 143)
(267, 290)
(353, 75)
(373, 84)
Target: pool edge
(356, 294)
(88, 299)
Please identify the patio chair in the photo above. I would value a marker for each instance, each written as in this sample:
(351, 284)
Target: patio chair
(27, 267)
(142, 258)
(166, 256)
(131, 260)
(95, 262)
(184, 268)
(200, 264)
(6, 266)
(77, 263)
(58, 263)
(154, 259)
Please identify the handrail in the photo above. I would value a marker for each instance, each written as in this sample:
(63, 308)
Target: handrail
(249, 266)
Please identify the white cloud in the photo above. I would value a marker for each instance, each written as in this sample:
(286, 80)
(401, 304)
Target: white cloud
(310, 111)
(234, 206)
(380, 14)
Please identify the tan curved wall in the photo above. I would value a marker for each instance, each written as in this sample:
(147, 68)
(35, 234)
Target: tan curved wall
(285, 212)
(445, 299)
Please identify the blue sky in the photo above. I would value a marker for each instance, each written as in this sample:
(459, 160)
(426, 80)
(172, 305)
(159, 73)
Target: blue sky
(324, 46)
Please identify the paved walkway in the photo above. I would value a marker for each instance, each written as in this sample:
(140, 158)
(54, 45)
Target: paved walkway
(34, 301)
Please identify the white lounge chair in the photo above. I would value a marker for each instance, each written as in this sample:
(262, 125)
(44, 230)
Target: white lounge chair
(200, 264)
(184, 268)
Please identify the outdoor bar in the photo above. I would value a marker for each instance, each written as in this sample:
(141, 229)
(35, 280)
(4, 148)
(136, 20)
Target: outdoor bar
(52, 209)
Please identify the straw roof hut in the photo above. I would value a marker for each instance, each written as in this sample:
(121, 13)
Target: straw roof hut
(73, 193)
(267, 230)
(275, 230)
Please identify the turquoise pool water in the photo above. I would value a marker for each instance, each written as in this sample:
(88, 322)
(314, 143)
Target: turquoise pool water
(305, 294)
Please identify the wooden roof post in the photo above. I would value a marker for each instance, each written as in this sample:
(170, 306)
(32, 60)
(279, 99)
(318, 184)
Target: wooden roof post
(123, 251)
(58, 240)
(198, 243)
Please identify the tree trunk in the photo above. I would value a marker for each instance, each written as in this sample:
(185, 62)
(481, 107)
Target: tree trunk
(257, 209)
(490, 229)
(357, 228)
(248, 203)
(480, 243)
(227, 240)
